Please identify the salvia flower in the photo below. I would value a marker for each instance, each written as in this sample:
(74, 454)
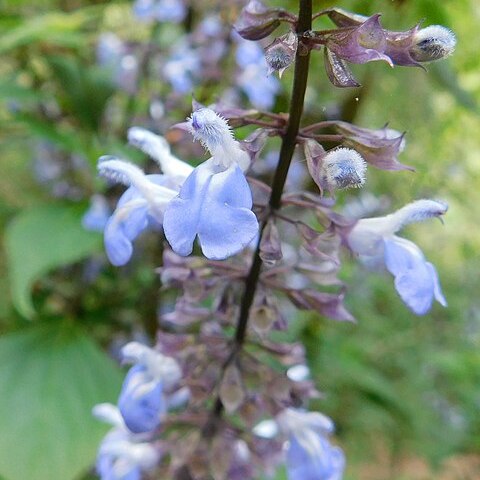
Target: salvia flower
(215, 201)
(416, 279)
(309, 453)
(121, 456)
(142, 205)
(142, 401)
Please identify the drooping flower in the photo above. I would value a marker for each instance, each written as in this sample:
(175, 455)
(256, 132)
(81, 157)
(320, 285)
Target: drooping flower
(121, 455)
(309, 453)
(142, 401)
(215, 201)
(416, 279)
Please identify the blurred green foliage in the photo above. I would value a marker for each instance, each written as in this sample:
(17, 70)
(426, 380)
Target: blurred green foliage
(397, 386)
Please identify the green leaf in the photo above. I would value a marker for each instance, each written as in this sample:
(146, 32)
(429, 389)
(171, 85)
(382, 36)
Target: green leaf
(89, 89)
(41, 239)
(57, 28)
(51, 377)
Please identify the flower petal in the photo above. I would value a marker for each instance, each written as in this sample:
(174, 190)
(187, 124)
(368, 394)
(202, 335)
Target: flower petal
(215, 205)
(141, 401)
(126, 223)
(414, 281)
(437, 289)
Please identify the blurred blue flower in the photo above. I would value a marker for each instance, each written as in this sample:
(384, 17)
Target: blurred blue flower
(324, 461)
(97, 215)
(215, 201)
(121, 455)
(309, 454)
(182, 68)
(160, 10)
(142, 401)
(260, 88)
(416, 280)
(113, 54)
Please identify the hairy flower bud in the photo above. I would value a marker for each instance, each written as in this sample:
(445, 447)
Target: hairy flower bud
(280, 54)
(344, 168)
(433, 43)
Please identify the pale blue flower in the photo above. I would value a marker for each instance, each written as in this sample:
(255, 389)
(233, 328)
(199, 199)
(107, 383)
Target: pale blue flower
(122, 456)
(97, 215)
(142, 401)
(182, 68)
(309, 453)
(160, 10)
(260, 88)
(327, 462)
(416, 280)
(144, 202)
(215, 201)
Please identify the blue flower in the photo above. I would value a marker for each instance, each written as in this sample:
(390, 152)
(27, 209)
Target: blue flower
(260, 88)
(182, 68)
(309, 454)
(322, 462)
(160, 10)
(142, 402)
(214, 204)
(122, 456)
(96, 217)
(215, 201)
(416, 280)
(144, 202)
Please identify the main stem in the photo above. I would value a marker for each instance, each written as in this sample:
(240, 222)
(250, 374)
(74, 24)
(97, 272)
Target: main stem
(289, 141)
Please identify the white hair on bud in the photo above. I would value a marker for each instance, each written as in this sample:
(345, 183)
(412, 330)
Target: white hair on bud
(209, 128)
(417, 211)
(131, 175)
(119, 171)
(344, 168)
(158, 149)
(153, 145)
(433, 43)
(213, 131)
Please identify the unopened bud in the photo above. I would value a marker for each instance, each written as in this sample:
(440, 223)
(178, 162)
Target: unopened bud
(343, 168)
(280, 54)
(433, 43)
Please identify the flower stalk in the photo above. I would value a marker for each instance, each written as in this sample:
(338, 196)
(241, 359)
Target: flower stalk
(287, 148)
